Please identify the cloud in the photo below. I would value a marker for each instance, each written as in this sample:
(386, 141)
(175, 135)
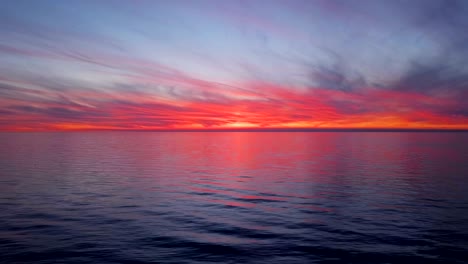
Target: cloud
(89, 80)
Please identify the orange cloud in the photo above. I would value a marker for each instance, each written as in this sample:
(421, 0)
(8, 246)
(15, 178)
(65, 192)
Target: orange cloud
(260, 105)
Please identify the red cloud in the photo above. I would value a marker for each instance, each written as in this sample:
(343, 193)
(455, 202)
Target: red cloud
(202, 104)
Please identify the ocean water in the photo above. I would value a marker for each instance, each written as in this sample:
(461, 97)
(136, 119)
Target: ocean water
(234, 197)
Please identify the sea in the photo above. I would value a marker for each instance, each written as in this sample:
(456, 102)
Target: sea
(234, 197)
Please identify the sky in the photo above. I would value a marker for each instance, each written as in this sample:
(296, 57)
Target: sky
(210, 64)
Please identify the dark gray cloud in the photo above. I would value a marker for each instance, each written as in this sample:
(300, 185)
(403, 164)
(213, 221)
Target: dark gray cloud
(429, 77)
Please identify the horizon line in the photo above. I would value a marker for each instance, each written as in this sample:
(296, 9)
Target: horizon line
(248, 130)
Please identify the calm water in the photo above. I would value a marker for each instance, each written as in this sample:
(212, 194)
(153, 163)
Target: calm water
(140, 197)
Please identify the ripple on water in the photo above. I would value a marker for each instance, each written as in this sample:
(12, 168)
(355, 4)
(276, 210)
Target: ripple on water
(320, 197)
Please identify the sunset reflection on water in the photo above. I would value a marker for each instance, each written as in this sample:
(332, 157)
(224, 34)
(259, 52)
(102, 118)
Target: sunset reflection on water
(242, 196)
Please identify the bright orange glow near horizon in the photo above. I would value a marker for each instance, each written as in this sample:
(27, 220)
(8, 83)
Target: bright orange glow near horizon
(275, 107)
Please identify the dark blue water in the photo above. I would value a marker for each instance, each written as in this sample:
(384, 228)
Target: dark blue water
(142, 197)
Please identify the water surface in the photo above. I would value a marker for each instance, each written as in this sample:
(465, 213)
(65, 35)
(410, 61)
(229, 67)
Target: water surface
(237, 197)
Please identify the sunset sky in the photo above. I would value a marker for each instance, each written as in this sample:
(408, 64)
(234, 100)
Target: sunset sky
(136, 64)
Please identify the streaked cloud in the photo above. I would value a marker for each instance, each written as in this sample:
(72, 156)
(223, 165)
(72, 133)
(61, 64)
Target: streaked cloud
(211, 64)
